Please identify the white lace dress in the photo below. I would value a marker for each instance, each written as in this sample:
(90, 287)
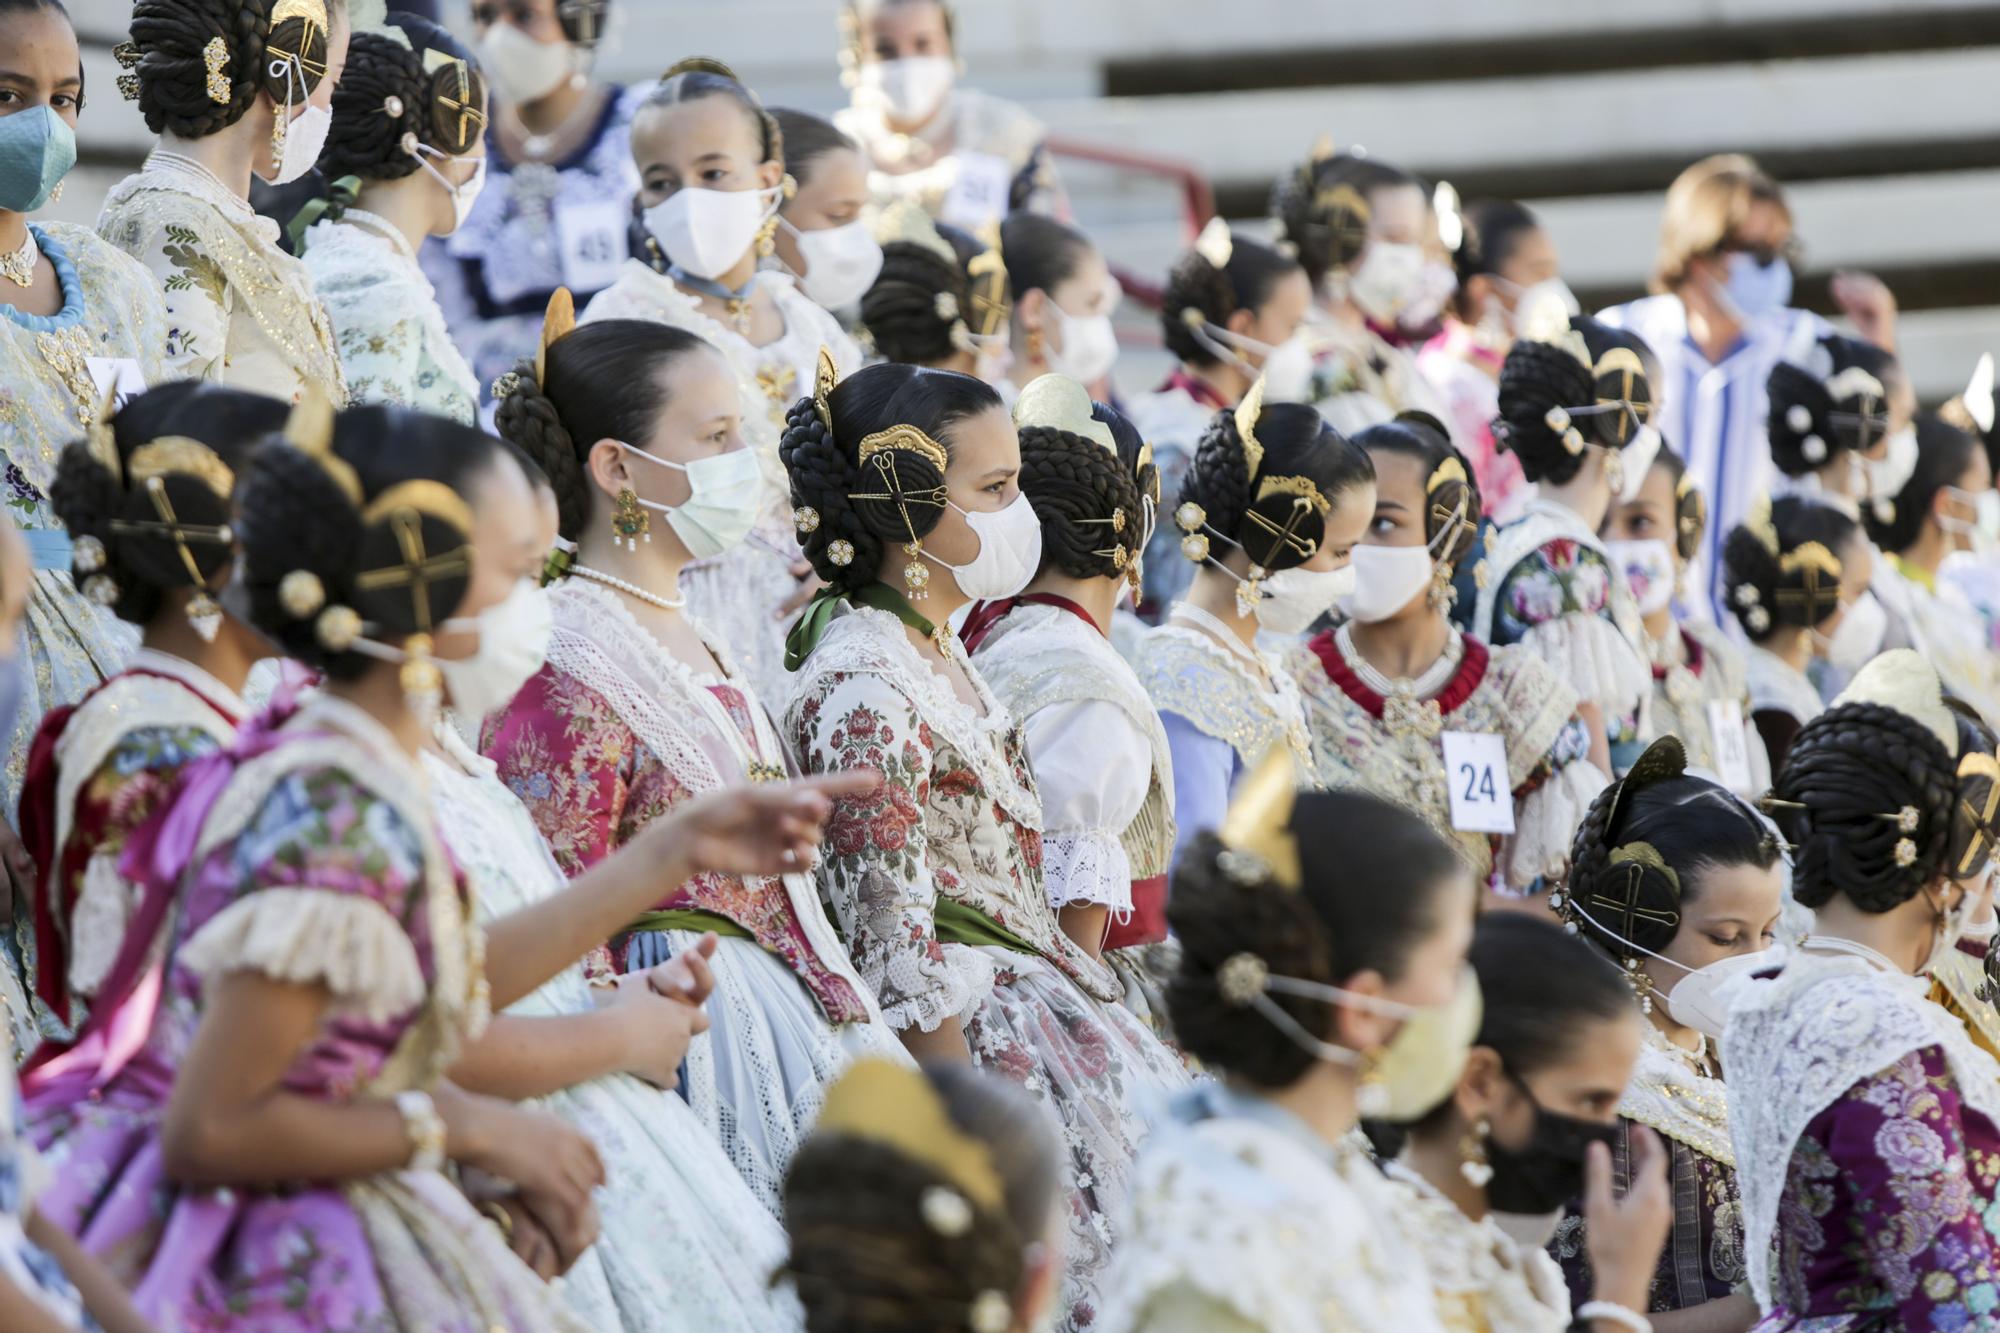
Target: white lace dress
(684, 1244)
(1482, 1277)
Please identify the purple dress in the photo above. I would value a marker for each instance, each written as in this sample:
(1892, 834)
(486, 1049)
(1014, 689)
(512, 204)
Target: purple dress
(305, 852)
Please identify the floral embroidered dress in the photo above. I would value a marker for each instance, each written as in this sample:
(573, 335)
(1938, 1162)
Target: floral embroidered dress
(23, 1177)
(1551, 587)
(304, 852)
(1864, 1120)
(1221, 717)
(1385, 737)
(936, 883)
(685, 1245)
(1782, 700)
(394, 347)
(1172, 419)
(1481, 1276)
(978, 159)
(611, 734)
(239, 309)
(738, 592)
(1674, 1093)
(111, 310)
(97, 774)
(1244, 1220)
(1696, 671)
(1938, 621)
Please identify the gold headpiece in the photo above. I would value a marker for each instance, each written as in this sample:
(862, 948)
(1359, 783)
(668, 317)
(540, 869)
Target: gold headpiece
(1259, 820)
(177, 454)
(1624, 396)
(432, 498)
(203, 612)
(1303, 487)
(1450, 470)
(1758, 521)
(404, 506)
(1812, 556)
(1903, 681)
(1247, 413)
(557, 322)
(1215, 244)
(1977, 823)
(825, 375)
(897, 1107)
(905, 222)
(1855, 382)
(1664, 759)
(904, 436)
(700, 65)
(1057, 402)
(312, 13)
(101, 439)
(309, 429)
(987, 274)
(1647, 856)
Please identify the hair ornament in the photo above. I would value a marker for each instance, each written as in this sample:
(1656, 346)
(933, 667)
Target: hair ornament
(992, 306)
(1906, 852)
(126, 53)
(826, 374)
(1644, 856)
(1974, 834)
(1558, 421)
(1450, 220)
(301, 594)
(1662, 761)
(392, 106)
(897, 1107)
(215, 58)
(431, 498)
(1799, 418)
(1216, 245)
(296, 69)
(990, 1312)
(1758, 521)
(806, 520)
(905, 222)
(903, 436)
(946, 1211)
(203, 612)
(1247, 412)
(1450, 470)
(1814, 449)
(100, 590)
(700, 65)
(1057, 402)
(1624, 396)
(338, 628)
(507, 385)
(1854, 382)
(557, 323)
(945, 306)
(1978, 394)
(1191, 518)
(840, 551)
(1903, 681)
(101, 438)
(1811, 557)
(1259, 819)
(1241, 979)
(309, 429)
(87, 554)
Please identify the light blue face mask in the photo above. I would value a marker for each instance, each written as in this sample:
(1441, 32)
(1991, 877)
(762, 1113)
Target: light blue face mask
(1758, 289)
(37, 149)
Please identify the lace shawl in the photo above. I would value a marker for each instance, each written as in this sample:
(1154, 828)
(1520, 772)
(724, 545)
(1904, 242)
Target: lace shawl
(1480, 1274)
(1188, 673)
(1775, 687)
(1666, 1094)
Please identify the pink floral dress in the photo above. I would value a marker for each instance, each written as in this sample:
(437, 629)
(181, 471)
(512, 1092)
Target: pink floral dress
(935, 881)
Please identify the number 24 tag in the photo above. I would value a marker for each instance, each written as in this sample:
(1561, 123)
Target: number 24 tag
(1482, 800)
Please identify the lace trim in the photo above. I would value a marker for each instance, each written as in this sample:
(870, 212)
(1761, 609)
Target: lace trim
(347, 943)
(154, 692)
(1087, 866)
(1179, 670)
(104, 904)
(1478, 1265)
(352, 251)
(1668, 1095)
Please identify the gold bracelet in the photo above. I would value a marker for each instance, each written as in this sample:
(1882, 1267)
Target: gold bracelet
(499, 1217)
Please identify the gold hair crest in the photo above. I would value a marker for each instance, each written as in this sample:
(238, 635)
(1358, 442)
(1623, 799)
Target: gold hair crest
(1258, 824)
(101, 439)
(309, 429)
(904, 436)
(1215, 244)
(1057, 402)
(1247, 412)
(177, 455)
(557, 323)
(897, 1107)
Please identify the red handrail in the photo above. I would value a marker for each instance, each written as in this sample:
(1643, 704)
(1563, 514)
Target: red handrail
(1197, 199)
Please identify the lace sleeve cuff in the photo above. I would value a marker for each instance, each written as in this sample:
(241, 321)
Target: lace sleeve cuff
(1590, 654)
(347, 943)
(953, 987)
(1088, 866)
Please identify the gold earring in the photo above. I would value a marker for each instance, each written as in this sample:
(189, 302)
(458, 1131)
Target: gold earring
(1249, 592)
(1472, 1156)
(278, 124)
(1442, 593)
(630, 522)
(767, 238)
(916, 574)
(1034, 344)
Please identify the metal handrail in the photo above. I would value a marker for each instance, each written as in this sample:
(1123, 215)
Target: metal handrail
(1197, 199)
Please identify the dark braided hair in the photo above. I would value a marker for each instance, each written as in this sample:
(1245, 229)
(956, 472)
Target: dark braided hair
(865, 1259)
(605, 381)
(807, 138)
(1807, 428)
(1373, 887)
(90, 501)
(1690, 505)
(920, 300)
(1493, 231)
(1747, 562)
(1944, 452)
(1297, 443)
(826, 473)
(1848, 775)
(1091, 501)
(1197, 287)
(169, 38)
(1423, 437)
(1322, 208)
(385, 96)
(1538, 376)
(1041, 253)
(293, 516)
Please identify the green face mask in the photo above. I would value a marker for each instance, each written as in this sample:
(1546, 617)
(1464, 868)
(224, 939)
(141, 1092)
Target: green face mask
(37, 149)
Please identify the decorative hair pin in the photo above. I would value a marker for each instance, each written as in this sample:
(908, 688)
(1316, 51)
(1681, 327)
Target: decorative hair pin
(558, 321)
(126, 53)
(1216, 245)
(1258, 823)
(215, 58)
(203, 612)
(404, 506)
(1247, 413)
(825, 376)
(1057, 402)
(881, 448)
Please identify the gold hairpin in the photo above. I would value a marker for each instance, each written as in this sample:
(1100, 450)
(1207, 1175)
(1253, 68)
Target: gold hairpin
(1450, 470)
(1303, 487)
(431, 498)
(202, 611)
(1247, 412)
(1811, 556)
(904, 436)
(700, 65)
(557, 323)
(101, 438)
(897, 1107)
(825, 376)
(179, 455)
(309, 429)
(1216, 245)
(986, 278)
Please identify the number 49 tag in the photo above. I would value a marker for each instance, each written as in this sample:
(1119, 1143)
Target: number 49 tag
(1482, 800)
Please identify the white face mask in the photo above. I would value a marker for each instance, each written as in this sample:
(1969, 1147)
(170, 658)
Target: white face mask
(463, 197)
(513, 644)
(1697, 999)
(1388, 281)
(1889, 474)
(707, 232)
(1635, 460)
(523, 69)
(1089, 345)
(305, 136)
(1288, 371)
(725, 495)
(911, 89)
(1530, 1231)
(1982, 531)
(1535, 296)
(1294, 598)
(1858, 637)
(1387, 579)
(1010, 551)
(1649, 569)
(842, 262)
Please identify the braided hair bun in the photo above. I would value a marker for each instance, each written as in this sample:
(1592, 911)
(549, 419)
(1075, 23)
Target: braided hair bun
(1837, 404)
(1452, 493)
(1203, 293)
(1090, 478)
(924, 303)
(1784, 571)
(1323, 208)
(864, 507)
(1296, 452)
(198, 65)
(393, 97)
(1547, 387)
(122, 550)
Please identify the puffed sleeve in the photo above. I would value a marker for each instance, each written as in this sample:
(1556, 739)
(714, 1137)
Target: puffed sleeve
(1550, 805)
(326, 880)
(1556, 602)
(1204, 768)
(1093, 769)
(876, 871)
(197, 297)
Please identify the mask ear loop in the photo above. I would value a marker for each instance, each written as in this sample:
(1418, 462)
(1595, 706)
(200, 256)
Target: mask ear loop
(1212, 341)
(202, 610)
(422, 681)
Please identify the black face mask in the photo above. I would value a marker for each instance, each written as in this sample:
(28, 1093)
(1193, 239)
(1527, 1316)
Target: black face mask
(1547, 1172)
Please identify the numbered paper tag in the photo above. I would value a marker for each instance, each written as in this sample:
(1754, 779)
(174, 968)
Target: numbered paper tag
(1732, 745)
(591, 237)
(118, 375)
(979, 195)
(1475, 764)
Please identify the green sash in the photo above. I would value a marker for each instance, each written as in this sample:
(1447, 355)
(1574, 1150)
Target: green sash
(810, 627)
(959, 924)
(689, 918)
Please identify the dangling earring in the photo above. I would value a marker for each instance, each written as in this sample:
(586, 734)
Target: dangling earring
(767, 238)
(278, 124)
(916, 574)
(1442, 594)
(1248, 593)
(1641, 984)
(1371, 1098)
(55, 195)
(631, 522)
(1034, 344)
(422, 681)
(1472, 1156)
(1614, 472)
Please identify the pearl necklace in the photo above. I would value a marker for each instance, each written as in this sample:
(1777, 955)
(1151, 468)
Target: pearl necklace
(1425, 685)
(19, 267)
(631, 590)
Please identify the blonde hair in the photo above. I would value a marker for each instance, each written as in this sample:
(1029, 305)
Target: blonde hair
(1706, 204)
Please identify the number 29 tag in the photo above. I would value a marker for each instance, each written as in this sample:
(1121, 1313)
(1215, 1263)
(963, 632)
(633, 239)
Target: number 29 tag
(1482, 800)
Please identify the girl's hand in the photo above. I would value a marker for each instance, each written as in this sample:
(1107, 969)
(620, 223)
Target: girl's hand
(530, 1240)
(686, 976)
(763, 830)
(657, 1029)
(553, 1164)
(1624, 1236)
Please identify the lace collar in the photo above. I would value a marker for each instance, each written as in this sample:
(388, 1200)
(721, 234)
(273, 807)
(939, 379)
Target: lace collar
(1667, 1093)
(605, 603)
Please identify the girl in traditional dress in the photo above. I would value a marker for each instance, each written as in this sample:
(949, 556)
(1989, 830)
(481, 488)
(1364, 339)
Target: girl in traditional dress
(321, 968)
(1383, 688)
(1063, 295)
(1701, 690)
(65, 297)
(941, 299)
(1798, 581)
(711, 177)
(1484, 1177)
(1681, 883)
(1231, 305)
(926, 1200)
(233, 88)
(1096, 746)
(966, 157)
(1864, 1116)
(640, 708)
(823, 240)
(1323, 977)
(409, 121)
(907, 488)
(1571, 409)
(561, 162)
(1270, 514)
(1832, 414)
(148, 501)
